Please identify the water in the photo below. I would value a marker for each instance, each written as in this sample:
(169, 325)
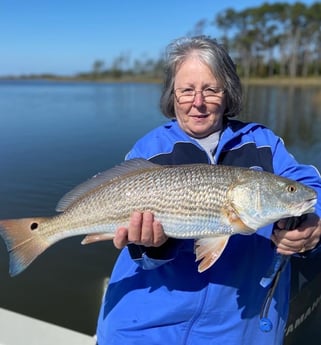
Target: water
(292, 112)
(56, 135)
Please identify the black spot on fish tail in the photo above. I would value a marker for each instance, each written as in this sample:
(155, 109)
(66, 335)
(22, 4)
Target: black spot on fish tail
(23, 242)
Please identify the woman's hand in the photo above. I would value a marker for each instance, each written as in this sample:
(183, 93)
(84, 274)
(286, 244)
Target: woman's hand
(305, 237)
(143, 230)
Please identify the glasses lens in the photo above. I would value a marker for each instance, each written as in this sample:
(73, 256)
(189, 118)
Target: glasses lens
(210, 95)
(184, 95)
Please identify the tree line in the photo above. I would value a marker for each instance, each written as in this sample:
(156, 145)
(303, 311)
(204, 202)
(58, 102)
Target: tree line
(274, 39)
(278, 39)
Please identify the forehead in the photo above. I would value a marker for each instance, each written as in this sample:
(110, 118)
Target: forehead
(194, 71)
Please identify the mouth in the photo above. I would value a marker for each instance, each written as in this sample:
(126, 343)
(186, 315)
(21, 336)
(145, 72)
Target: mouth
(199, 116)
(306, 206)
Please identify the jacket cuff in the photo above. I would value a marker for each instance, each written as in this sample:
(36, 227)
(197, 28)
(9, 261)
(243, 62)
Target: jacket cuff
(147, 263)
(152, 257)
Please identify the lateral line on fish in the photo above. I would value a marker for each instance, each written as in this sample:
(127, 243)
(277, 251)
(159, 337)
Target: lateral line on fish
(186, 199)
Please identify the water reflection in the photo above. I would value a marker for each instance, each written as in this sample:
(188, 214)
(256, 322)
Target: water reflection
(294, 113)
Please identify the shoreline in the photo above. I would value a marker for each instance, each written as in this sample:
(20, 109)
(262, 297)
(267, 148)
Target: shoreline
(286, 81)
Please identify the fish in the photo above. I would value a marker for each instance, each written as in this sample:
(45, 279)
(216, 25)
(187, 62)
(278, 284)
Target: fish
(207, 203)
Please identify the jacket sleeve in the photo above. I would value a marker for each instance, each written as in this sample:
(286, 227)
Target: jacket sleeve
(286, 165)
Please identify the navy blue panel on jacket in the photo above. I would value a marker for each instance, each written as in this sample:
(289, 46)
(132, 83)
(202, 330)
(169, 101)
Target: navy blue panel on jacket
(156, 295)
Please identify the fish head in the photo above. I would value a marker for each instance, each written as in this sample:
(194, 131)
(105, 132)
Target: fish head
(262, 198)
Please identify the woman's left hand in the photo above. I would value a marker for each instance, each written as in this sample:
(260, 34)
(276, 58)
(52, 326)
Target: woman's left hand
(305, 237)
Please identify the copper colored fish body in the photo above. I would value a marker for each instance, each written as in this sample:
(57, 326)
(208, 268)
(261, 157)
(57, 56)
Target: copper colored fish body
(204, 202)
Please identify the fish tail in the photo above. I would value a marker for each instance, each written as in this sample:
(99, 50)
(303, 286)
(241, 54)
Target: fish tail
(23, 242)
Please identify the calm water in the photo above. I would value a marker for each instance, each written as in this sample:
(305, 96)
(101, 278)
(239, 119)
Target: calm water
(56, 135)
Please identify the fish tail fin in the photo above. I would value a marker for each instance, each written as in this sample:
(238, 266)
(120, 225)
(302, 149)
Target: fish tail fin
(23, 242)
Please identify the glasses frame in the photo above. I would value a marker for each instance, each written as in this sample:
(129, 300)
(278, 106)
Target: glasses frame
(218, 91)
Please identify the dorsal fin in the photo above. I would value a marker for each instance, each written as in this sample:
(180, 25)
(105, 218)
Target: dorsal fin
(98, 180)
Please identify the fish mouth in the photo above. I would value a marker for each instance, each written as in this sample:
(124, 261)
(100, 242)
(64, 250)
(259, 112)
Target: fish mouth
(306, 206)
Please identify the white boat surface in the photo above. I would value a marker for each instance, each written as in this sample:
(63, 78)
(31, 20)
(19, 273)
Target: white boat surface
(18, 329)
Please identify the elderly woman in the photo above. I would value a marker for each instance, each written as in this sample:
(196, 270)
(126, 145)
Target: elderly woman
(155, 294)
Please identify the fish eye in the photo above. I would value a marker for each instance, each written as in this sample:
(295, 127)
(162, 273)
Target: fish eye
(291, 188)
(34, 226)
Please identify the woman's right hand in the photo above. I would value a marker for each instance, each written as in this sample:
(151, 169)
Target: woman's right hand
(143, 230)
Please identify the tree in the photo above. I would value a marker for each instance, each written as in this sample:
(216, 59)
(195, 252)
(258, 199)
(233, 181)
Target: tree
(97, 68)
(198, 28)
(280, 36)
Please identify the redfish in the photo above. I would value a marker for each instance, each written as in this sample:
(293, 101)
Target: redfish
(208, 203)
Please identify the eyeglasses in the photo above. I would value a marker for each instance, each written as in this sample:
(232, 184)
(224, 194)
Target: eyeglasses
(187, 95)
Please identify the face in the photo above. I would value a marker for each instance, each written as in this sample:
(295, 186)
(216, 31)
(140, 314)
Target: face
(198, 118)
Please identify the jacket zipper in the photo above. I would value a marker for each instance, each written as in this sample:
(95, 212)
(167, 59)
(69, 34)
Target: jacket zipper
(195, 317)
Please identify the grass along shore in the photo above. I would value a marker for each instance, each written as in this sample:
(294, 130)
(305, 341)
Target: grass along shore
(286, 81)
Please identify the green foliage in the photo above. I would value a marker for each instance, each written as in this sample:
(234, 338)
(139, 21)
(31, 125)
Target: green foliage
(274, 39)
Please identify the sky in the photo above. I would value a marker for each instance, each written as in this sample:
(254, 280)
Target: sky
(66, 37)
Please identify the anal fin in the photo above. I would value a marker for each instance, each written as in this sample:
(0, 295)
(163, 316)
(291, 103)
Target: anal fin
(97, 237)
(208, 250)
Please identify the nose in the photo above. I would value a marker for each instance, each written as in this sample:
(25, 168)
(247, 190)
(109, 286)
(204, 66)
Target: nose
(198, 99)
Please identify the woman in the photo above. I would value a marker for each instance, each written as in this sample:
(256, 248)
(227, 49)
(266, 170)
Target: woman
(155, 293)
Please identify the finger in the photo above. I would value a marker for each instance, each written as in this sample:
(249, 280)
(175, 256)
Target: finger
(287, 246)
(288, 237)
(159, 234)
(147, 238)
(135, 227)
(121, 238)
(299, 247)
(285, 251)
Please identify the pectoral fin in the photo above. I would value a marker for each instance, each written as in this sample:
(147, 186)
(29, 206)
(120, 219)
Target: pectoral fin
(97, 238)
(208, 250)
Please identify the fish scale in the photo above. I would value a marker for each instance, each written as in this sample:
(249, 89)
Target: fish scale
(191, 201)
(191, 204)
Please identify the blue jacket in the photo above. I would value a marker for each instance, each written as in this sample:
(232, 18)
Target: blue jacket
(156, 295)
